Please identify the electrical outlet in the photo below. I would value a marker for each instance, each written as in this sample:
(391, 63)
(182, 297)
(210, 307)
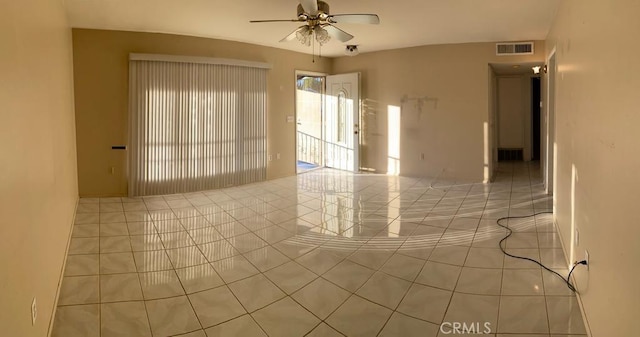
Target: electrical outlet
(586, 257)
(34, 311)
(278, 156)
(270, 157)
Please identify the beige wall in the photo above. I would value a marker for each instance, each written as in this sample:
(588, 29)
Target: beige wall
(514, 112)
(38, 181)
(597, 133)
(510, 112)
(449, 133)
(101, 97)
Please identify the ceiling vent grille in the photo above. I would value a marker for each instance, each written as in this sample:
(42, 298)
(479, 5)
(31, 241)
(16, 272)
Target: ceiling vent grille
(518, 48)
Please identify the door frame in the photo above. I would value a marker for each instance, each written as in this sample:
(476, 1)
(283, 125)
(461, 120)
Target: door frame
(549, 168)
(295, 110)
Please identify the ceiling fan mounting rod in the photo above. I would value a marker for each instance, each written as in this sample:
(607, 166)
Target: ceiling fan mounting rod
(322, 15)
(313, 23)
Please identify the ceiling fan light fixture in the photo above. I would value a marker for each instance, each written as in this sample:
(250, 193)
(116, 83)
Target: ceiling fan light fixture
(317, 24)
(322, 36)
(304, 35)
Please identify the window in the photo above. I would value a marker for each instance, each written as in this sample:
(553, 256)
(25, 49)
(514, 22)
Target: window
(341, 136)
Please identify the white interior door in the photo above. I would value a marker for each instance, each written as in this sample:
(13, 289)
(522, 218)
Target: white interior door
(342, 122)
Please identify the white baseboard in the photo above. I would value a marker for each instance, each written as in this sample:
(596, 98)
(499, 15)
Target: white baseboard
(64, 264)
(573, 280)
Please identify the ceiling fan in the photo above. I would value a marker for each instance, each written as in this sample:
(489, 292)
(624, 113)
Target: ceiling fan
(319, 22)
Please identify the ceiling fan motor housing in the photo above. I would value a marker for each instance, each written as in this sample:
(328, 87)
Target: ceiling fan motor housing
(323, 8)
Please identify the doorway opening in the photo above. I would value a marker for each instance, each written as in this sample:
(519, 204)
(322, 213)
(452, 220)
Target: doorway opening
(535, 118)
(309, 112)
(516, 96)
(327, 121)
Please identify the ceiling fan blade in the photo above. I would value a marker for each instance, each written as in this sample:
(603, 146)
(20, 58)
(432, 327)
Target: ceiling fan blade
(260, 21)
(355, 18)
(292, 36)
(338, 33)
(310, 6)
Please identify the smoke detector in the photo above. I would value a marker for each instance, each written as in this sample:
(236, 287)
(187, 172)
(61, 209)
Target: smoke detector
(351, 50)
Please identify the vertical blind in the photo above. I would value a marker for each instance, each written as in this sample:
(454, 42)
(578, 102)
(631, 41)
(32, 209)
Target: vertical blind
(195, 125)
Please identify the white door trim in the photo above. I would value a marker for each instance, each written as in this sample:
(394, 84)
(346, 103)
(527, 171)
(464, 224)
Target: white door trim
(549, 123)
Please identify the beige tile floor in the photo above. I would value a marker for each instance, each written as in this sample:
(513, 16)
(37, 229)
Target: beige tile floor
(326, 253)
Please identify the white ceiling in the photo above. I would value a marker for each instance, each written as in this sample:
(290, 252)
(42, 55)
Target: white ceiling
(403, 23)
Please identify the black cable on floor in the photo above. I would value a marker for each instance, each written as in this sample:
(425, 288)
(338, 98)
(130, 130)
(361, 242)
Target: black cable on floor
(567, 280)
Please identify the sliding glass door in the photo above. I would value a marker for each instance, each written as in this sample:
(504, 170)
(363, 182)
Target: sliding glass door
(195, 126)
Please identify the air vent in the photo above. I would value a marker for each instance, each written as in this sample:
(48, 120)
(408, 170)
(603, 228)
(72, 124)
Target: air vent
(509, 154)
(518, 48)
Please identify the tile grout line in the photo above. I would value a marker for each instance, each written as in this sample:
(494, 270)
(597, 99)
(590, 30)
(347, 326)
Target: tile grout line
(351, 293)
(135, 263)
(175, 273)
(227, 284)
(394, 310)
(500, 298)
(544, 293)
(453, 290)
(100, 271)
(371, 242)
